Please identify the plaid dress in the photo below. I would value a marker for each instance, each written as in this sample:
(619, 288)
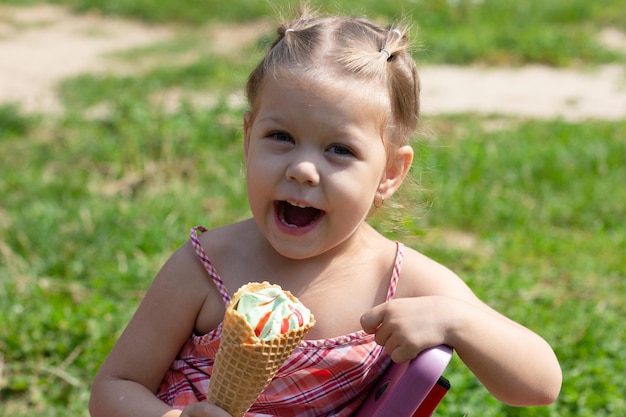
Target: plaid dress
(327, 377)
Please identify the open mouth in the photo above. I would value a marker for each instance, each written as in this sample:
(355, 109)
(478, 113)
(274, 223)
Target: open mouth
(295, 215)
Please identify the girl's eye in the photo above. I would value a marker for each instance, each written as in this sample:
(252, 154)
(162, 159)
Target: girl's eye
(340, 150)
(281, 137)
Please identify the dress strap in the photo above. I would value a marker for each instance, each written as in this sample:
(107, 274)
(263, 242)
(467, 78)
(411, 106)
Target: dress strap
(396, 272)
(195, 241)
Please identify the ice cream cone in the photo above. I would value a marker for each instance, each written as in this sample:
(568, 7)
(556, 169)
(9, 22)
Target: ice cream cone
(244, 364)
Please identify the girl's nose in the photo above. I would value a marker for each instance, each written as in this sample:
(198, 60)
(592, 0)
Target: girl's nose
(304, 171)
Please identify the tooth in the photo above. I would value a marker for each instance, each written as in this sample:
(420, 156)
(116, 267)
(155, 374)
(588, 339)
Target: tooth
(297, 204)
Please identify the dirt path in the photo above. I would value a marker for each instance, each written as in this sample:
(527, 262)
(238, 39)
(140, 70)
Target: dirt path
(41, 45)
(534, 91)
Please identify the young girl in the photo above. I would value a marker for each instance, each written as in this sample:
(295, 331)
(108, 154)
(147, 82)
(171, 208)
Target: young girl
(326, 141)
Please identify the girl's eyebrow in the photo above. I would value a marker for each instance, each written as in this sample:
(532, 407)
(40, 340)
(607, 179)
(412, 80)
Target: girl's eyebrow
(275, 117)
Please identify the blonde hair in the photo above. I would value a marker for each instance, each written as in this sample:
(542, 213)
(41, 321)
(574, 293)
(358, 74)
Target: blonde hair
(350, 47)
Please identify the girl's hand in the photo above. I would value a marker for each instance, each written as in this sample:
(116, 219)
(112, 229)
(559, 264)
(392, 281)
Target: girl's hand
(203, 409)
(407, 326)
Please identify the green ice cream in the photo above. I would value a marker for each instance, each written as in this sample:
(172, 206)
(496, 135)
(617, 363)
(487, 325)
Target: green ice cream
(271, 312)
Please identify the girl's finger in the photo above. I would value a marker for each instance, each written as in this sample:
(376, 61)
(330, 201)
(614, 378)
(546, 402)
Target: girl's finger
(372, 319)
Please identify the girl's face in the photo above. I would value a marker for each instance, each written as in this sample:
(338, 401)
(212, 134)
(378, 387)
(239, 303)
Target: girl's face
(315, 161)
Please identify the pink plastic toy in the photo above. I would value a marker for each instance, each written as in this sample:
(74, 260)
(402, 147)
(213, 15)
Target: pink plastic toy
(410, 389)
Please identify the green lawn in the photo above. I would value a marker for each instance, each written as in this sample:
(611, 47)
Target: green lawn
(531, 214)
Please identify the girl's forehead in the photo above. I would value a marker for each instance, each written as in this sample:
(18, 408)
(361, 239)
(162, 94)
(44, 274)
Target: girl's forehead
(300, 85)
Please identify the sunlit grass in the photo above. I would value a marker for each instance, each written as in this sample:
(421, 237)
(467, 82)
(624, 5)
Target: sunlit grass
(501, 32)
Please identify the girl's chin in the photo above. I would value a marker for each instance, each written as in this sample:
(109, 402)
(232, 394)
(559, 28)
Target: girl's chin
(297, 242)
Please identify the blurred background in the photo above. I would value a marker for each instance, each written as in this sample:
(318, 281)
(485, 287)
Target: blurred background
(120, 128)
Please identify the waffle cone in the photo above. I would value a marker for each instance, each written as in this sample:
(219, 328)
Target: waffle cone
(244, 364)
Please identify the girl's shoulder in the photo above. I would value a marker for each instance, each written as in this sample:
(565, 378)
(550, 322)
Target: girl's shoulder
(422, 275)
(225, 246)
(223, 255)
(225, 239)
(193, 269)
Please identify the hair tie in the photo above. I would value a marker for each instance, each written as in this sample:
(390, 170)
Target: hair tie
(288, 30)
(386, 52)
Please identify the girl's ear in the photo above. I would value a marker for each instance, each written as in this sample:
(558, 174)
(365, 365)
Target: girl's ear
(397, 169)
(246, 132)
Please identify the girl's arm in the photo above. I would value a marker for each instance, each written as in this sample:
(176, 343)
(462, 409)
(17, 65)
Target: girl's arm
(516, 365)
(129, 378)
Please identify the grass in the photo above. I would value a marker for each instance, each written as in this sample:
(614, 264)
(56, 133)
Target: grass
(530, 213)
(557, 33)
